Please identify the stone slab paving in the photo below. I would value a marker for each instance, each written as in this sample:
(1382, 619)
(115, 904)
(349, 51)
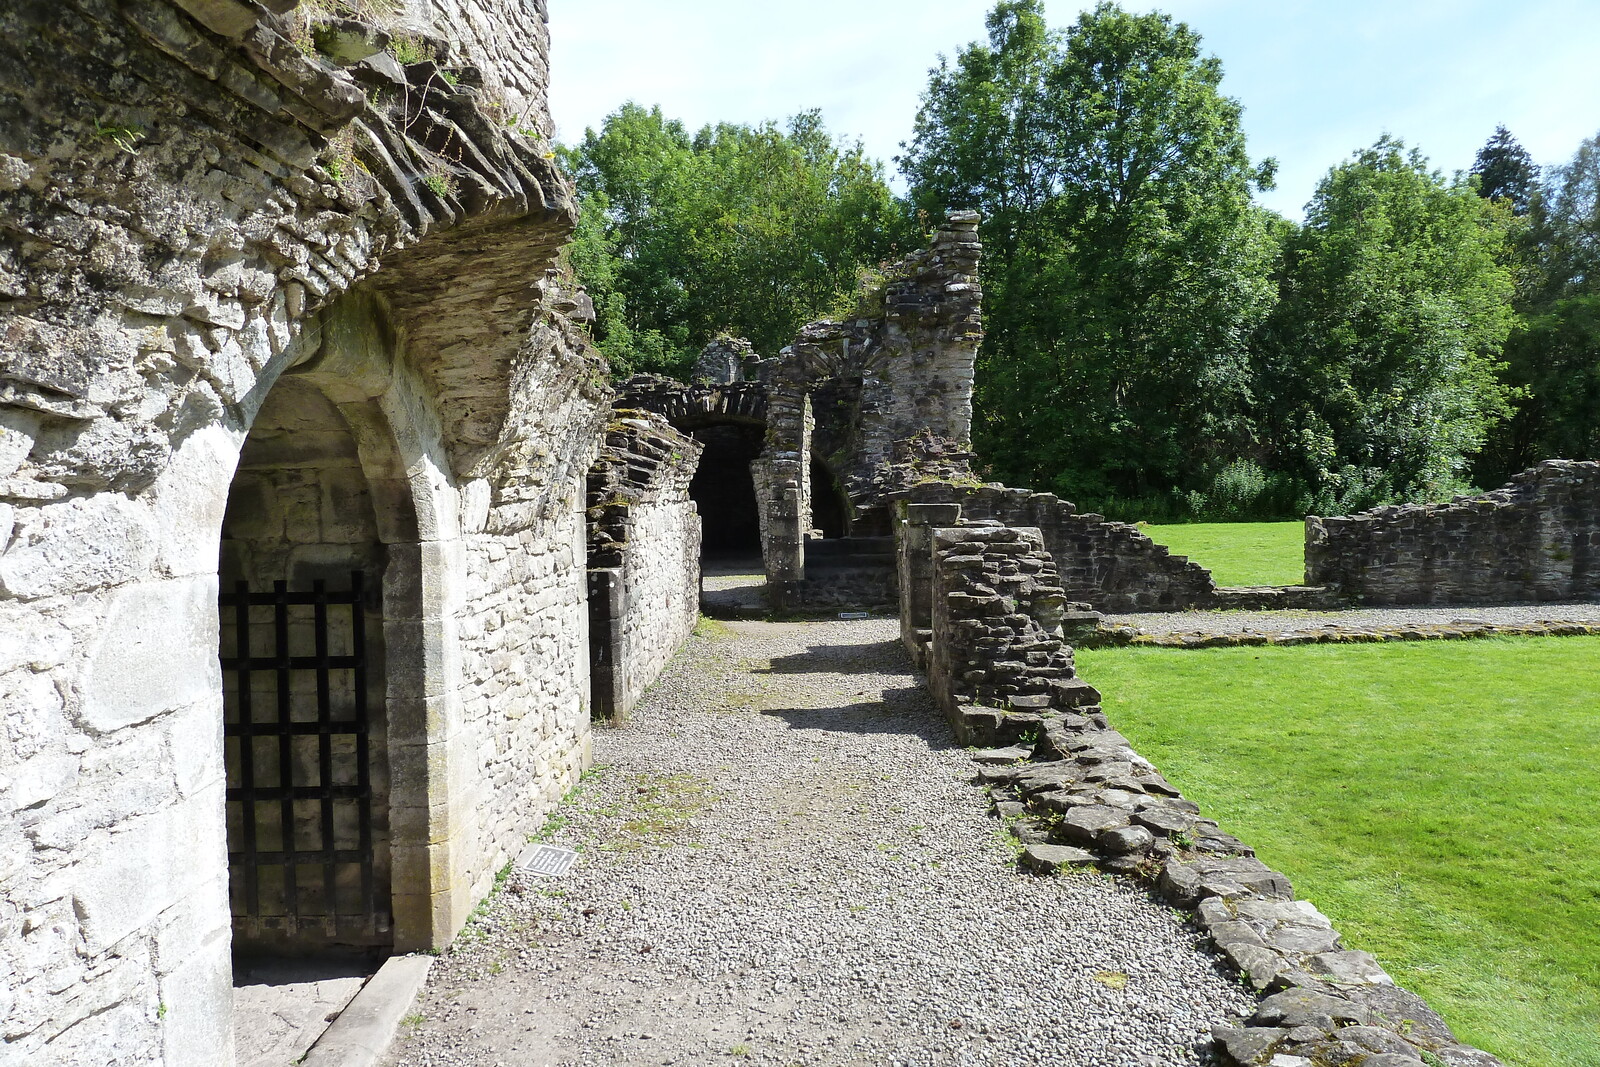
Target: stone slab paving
(785, 861)
(281, 1006)
(1389, 618)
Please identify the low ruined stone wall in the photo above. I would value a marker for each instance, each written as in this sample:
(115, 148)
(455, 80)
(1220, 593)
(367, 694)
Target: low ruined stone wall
(1109, 565)
(644, 558)
(996, 654)
(1077, 794)
(1537, 538)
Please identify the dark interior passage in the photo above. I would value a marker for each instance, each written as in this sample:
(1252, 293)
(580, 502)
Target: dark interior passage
(830, 511)
(724, 491)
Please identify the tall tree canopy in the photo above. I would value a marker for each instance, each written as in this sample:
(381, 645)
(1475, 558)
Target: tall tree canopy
(1553, 356)
(1378, 369)
(1505, 171)
(752, 230)
(1124, 262)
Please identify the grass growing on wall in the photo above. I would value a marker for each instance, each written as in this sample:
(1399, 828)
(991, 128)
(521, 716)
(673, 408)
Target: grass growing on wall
(1439, 801)
(1239, 553)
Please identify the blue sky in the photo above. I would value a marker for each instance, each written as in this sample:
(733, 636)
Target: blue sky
(1318, 80)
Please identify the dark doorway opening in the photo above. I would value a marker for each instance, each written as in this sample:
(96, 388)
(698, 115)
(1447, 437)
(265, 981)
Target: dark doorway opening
(830, 510)
(304, 695)
(725, 492)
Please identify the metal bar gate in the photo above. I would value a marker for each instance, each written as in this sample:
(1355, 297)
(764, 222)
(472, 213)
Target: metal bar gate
(300, 796)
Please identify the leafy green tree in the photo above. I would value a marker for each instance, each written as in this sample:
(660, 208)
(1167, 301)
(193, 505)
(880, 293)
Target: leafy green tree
(752, 230)
(1505, 171)
(1125, 265)
(1553, 355)
(1377, 372)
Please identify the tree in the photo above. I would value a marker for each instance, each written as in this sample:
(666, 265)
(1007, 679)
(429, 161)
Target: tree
(1378, 369)
(1125, 264)
(752, 230)
(1553, 355)
(1505, 171)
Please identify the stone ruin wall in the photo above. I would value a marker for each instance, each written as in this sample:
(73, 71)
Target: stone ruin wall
(644, 557)
(1109, 565)
(197, 205)
(897, 373)
(902, 367)
(996, 653)
(1080, 795)
(1537, 538)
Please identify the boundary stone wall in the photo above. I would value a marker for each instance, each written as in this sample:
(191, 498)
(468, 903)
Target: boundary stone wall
(1080, 795)
(1111, 566)
(644, 558)
(1536, 538)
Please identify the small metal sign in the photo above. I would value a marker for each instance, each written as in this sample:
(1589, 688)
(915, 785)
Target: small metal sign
(548, 861)
(853, 615)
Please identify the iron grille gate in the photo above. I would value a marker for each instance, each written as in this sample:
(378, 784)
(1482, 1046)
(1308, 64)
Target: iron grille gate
(300, 797)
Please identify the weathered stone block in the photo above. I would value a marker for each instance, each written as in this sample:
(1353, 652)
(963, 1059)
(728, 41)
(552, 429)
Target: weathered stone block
(157, 653)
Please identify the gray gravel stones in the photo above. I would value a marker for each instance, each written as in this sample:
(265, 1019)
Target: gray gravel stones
(784, 862)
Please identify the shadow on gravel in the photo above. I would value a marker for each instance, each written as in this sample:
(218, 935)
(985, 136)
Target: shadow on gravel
(902, 712)
(877, 657)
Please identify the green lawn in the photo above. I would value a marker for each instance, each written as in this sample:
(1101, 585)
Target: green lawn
(1440, 801)
(1240, 553)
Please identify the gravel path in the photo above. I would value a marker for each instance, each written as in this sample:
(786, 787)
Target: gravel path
(1238, 622)
(784, 862)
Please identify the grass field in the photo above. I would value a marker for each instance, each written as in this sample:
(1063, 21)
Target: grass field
(1240, 553)
(1439, 801)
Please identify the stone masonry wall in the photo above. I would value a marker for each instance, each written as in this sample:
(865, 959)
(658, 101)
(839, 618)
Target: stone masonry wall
(644, 557)
(863, 390)
(996, 654)
(200, 197)
(1537, 538)
(1078, 794)
(1109, 565)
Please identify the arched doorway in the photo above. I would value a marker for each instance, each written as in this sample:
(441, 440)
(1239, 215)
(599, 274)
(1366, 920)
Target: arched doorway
(307, 589)
(724, 491)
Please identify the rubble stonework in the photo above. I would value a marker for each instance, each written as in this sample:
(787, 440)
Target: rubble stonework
(1111, 566)
(201, 205)
(1537, 538)
(1078, 794)
(644, 557)
(996, 660)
